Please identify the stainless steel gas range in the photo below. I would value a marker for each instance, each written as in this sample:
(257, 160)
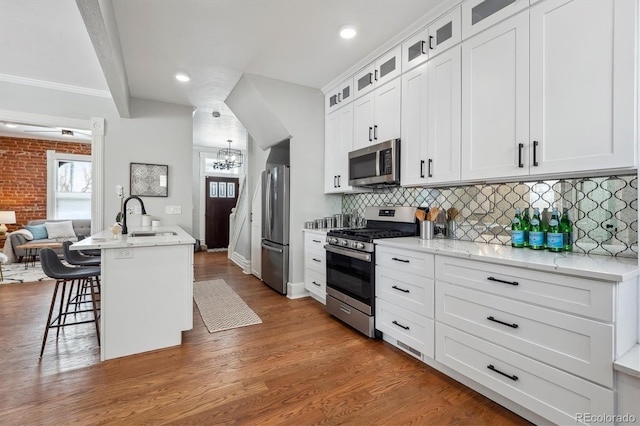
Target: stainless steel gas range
(351, 264)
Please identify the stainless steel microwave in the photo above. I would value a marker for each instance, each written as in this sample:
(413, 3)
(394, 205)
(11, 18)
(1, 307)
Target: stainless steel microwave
(376, 165)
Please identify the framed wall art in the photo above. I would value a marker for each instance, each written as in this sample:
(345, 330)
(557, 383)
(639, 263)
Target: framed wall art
(149, 180)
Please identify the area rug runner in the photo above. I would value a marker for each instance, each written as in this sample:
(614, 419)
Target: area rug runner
(221, 308)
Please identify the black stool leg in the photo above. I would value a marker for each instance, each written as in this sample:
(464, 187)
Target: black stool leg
(60, 314)
(95, 306)
(46, 328)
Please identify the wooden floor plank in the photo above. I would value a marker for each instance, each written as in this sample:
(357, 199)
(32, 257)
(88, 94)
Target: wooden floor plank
(300, 366)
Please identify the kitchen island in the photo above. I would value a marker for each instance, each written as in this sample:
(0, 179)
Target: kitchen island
(146, 288)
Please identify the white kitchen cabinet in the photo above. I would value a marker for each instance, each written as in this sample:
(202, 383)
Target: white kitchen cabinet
(545, 94)
(478, 15)
(431, 121)
(377, 115)
(339, 96)
(315, 274)
(439, 36)
(338, 143)
(384, 69)
(582, 85)
(495, 101)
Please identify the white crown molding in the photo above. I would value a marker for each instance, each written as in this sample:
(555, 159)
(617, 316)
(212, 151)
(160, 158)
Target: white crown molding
(54, 86)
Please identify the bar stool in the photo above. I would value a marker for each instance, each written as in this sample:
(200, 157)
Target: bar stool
(77, 258)
(86, 276)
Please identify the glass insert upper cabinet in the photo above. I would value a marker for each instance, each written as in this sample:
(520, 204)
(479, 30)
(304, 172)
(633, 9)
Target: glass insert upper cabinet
(478, 15)
(339, 96)
(384, 69)
(439, 36)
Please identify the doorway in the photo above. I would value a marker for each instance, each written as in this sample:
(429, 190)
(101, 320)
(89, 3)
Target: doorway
(221, 195)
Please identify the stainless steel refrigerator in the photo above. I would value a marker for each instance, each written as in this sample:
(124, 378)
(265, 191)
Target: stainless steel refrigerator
(275, 228)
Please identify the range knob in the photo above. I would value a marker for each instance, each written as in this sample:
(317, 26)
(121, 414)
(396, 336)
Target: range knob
(359, 245)
(332, 240)
(344, 242)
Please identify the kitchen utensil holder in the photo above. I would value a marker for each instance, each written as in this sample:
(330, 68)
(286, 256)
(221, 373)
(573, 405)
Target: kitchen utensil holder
(426, 229)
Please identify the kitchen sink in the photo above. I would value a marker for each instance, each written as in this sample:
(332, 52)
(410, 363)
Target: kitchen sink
(152, 233)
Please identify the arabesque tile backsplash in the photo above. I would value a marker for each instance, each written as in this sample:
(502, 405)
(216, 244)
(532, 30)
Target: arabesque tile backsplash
(604, 209)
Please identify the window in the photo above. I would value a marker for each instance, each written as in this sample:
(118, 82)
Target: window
(69, 186)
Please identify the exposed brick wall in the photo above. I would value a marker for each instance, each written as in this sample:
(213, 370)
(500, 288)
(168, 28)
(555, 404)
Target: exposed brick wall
(23, 175)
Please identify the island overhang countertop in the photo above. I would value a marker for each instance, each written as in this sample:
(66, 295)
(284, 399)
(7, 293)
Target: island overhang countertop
(163, 236)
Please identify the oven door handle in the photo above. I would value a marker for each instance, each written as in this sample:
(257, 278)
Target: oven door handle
(349, 253)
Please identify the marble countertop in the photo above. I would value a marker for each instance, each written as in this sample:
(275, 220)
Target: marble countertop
(105, 240)
(595, 267)
(629, 363)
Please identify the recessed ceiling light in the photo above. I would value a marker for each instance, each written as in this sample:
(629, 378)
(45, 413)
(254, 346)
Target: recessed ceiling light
(10, 125)
(348, 31)
(183, 76)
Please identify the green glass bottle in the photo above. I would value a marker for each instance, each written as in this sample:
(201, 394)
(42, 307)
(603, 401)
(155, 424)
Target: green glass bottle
(536, 235)
(517, 233)
(544, 221)
(526, 226)
(554, 232)
(567, 231)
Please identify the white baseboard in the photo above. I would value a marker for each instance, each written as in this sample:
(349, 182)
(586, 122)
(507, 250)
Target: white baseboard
(296, 290)
(240, 260)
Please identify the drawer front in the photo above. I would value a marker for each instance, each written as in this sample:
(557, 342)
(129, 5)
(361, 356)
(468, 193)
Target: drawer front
(580, 296)
(316, 261)
(413, 262)
(577, 345)
(411, 292)
(407, 327)
(314, 242)
(549, 392)
(315, 282)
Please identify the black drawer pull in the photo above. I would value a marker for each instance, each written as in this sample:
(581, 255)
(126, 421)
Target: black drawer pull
(317, 241)
(318, 284)
(514, 325)
(400, 260)
(400, 325)
(502, 281)
(317, 260)
(400, 289)
(512, 377)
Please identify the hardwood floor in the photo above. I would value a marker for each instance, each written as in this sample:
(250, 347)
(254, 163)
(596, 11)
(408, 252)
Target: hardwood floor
(299, 367)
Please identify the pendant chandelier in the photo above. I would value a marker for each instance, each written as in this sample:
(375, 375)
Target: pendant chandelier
(228, 158)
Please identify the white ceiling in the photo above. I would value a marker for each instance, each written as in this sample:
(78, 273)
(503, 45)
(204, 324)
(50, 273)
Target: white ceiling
(215, 41)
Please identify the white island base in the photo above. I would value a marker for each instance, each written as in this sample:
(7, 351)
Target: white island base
(146, 291)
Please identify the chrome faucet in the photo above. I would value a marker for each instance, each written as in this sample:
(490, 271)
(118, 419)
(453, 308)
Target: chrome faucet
(124, 208)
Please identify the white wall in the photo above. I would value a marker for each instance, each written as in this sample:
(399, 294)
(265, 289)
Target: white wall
(301, 110)
(156, 133)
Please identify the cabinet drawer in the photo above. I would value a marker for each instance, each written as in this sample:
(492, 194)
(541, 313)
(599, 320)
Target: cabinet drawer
(315, 261)
(577, 345)
(410, 261)
(549, 392)
(412, 292)
(410, 329)
(314, 242)
(580, 296)
(315, 282)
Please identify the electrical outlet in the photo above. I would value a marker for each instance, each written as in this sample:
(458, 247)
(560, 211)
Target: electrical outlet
(124, 253)
(173, 209)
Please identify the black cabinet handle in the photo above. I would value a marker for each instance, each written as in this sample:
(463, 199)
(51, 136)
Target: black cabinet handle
(422, 47)
(430, 44)
(375, 132)
(535, 153)
(429, 174)
(339, 181)
(370, 130)
(376, 75)
(520, 147)
(400, 325)
(339, 99)
(502, 281)
(335, 180)
(318, 284)
(317, 241)
(400, 289)
(514, 325)
(317, 260)
(421, 168)
(399, 260)
(492, 368)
